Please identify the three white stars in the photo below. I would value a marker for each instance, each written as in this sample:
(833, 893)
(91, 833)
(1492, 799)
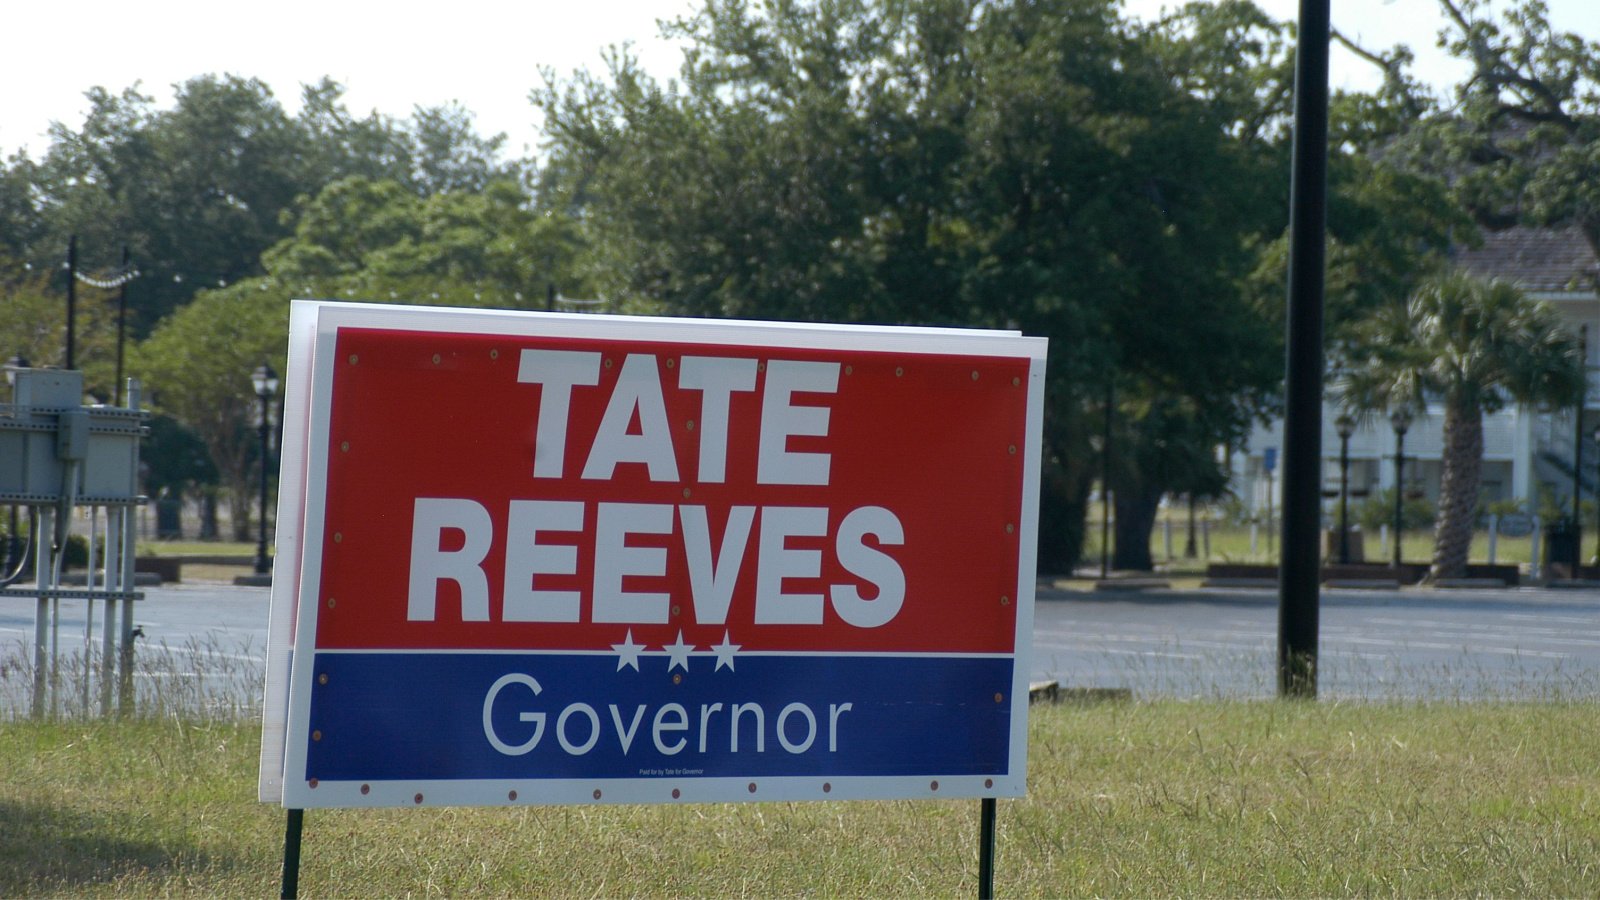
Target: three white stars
(678, 652)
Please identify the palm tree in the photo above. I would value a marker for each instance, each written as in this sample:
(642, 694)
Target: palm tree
(1474, 344)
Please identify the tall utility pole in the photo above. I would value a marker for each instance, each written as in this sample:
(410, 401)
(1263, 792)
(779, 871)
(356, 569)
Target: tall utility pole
(1298, 569)
(1577, 454)
(1105, 485)
(72, 297)
(122, 324)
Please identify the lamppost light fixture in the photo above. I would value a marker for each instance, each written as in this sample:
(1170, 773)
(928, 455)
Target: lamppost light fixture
(1345, 425)
(265, 380)
(1400, 420)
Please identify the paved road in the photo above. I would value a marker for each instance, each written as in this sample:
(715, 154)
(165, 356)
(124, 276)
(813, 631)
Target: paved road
(1418, 643)
(1477, 644)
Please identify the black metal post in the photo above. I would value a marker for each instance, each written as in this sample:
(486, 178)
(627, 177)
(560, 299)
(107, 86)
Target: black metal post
(1298, 568)
(262, 566)
(72, 296)
(291, 854)
(1105, 485)
(1577, 454)
(1344, 495)
(1189, 551)
(1597, 503)
(549, 297)
(986, 849)
(122, 327)
(1399, 490)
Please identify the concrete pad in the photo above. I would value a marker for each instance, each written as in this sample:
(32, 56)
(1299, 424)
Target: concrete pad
(1364, 584)
(78, 579)
(1470, 583)
(1264, 583)
(1131, 584)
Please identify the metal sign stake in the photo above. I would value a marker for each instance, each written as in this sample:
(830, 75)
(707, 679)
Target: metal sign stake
(291, 854)
(986, 848)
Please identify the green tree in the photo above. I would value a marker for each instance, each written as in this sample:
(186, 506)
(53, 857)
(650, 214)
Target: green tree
(1521, 142)
(199, 190)
(373, 240)
(33, 324)
(1040, 166)
(196, 368)
(357, 239)
(1473, 345)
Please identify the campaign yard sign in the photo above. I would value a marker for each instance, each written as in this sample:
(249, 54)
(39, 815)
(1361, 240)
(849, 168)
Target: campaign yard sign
(537, 558)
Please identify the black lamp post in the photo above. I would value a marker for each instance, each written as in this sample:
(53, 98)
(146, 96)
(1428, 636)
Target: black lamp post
(1597, 503)
(1346, 427)
(1105, 484)
(265, 382)
(1400, 420)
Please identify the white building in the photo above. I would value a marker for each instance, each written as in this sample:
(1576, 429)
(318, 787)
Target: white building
(1525, 452)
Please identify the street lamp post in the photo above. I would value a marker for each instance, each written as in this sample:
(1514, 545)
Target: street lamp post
(1105, 484)
(265, 382)
(1597, 503)
(1400, 420)
(1346, 427)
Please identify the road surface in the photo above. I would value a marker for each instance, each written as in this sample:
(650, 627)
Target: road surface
(205, 643)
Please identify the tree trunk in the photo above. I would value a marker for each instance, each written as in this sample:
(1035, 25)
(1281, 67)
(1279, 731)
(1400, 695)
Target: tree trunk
(208, 516)
(242, 504)
(1063, 503)
(1136, 519)
(1458, 490)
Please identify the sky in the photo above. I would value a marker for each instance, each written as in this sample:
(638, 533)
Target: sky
(484, 54)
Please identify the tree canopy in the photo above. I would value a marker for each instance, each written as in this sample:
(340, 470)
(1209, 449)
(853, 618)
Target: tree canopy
(199, 190)
(1042, 166)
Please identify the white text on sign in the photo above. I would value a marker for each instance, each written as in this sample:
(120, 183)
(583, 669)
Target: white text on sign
(858, 538)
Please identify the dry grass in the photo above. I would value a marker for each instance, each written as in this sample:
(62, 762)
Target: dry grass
(1216, 799)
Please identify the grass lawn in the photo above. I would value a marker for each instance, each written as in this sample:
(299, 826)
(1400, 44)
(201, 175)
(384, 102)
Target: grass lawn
(1232, 543)
(1212, 799)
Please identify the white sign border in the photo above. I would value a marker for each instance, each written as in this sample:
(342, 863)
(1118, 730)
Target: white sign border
(313, 327)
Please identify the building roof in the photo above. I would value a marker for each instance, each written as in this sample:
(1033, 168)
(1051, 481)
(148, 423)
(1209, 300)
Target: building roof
(1536, 259)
